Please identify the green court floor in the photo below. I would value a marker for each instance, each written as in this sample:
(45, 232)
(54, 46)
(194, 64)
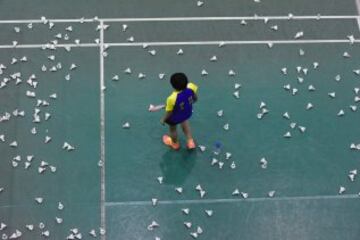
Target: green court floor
(306, 171)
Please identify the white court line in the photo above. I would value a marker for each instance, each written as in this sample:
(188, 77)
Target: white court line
(57, 46)
(165, 19)
(357, 2)
(245, 42)
(185, 43)
(102, 134)
(233, 200)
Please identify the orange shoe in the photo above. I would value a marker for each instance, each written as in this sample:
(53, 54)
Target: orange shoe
(191, 144)
(168, 141)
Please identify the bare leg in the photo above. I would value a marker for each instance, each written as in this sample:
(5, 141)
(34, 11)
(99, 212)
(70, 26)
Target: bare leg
(173, 133)
(186, 129)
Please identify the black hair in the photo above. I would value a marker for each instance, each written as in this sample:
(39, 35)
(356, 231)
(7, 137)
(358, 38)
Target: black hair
(179, 81)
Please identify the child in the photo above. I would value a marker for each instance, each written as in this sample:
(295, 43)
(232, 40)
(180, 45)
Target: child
(179, 110)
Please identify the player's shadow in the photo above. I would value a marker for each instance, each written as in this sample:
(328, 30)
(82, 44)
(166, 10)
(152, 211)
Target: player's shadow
(176, 166)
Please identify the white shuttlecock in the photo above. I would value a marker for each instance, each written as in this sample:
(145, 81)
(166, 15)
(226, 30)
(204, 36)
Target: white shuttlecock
(130, 39)
(209, 212)
(127, 70)
(286, 115)
(154, 201)
(221, 44)
(271, 194)
(186, 211)
(58, 220)
(302, 129)
(305, 71)
(284, 70)
(115, 78)
(309, 106)
(287, 87)
(179, 190)
(2, 226)
(231, 73)
(311, 88)
(214, 161)
(213, 59)
(274, 27)
(226, 127)
(126, 125)
(353, 108)
(356, 71)
(141, 75)
(93, 233)
(357, 90)
(244, 195)
(39, 200)
(221, 164)
(153, 225)
(202, 193)
(351, 39)
(195, 235)
(237, 85)
(236, 94)
(233, 165)
(287, 135)
(346, 55)
(243, 22)
(332, 94)
(220, 113)
(188, 224)
(356, 99)
(199, 230)
(204, 72)
(315, 65)
(299, 35)
(180, 52)
(262, 105)
(228, 155)
(199, 3)
(342, 190)
(270, 44)
(13, 144)
(161, 75)
(69, 28)
(351, 177)
(294, 91)
(301, 52)
(73, 66)
(152, 52)
(160, 179)
(236, 192)
(202, 148)
(341, 113)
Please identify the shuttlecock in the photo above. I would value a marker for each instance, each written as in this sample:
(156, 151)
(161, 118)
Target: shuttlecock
(236, 94)
(353, 108)
(311, 88)
(2, 226)
(233, 165)
(93, 233)
(332, 94)
(126, 125)
(188, 224)
(115, 77)
(179, 190)
(58, 220)
(226, 127)
(204, 72)
(302, 129)
(287, 135)
(294, 91)
(161, 75)
(152, 52)
(127, 70)
(199, 3)
(195, 235)
(231, 73)
(244, 195)
(274, 27)
(286, 115)
(180, 52)
(309, 106)
(356, 71)
(315, 65)
(39, 200)
(153, 225)
(341, 113)
(154, 201)
(237, 85)
(287, 87)
(141, 75)
(284, 70)
(186, 211)
(299, 35)
(236, 192)
(209, 213)
(213, 59)
(342, 190)
(220, 113)
(301, 52)
(160, 179)
(202, 148)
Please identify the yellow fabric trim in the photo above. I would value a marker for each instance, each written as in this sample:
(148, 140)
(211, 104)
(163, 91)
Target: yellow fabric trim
(170, 102)
(193, 87)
